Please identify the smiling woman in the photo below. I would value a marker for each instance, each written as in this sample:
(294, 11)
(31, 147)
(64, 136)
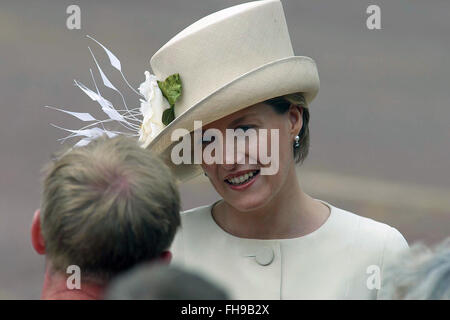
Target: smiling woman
(266, 238)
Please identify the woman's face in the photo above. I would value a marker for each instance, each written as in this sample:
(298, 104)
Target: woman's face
(242, 185)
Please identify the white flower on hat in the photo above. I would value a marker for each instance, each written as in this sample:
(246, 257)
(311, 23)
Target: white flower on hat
(152, 108)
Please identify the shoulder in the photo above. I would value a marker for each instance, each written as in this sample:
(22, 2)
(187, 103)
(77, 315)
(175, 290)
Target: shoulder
(196, 217)
(363, 247)
(368, 230)
(369, 240)
(195, 224)
(196, 212)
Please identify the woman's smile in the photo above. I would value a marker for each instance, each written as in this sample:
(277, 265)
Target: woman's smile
(242, 180)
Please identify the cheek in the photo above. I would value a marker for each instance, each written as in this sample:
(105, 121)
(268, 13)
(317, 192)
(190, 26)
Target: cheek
(283, 154)
(208, 169)
(211, 172)
(285, 146)
(283, 150)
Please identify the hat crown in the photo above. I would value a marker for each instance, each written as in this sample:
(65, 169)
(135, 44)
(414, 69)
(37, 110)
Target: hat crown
(223, 46)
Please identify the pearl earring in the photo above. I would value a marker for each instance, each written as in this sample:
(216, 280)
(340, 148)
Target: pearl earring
(297, 142)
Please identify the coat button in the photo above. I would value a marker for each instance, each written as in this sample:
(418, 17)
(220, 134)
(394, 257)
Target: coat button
(264, 256)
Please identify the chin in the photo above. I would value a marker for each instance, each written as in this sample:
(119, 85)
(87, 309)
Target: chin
(248, 205)
(252, 199)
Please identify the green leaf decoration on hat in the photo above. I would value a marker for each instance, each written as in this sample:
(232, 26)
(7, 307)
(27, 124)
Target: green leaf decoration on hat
(171, 90)
(168, 116)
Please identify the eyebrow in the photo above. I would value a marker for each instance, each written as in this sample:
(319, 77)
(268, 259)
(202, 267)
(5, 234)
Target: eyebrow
(236, 121)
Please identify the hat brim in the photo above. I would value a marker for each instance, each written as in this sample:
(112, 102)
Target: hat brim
(277, 78)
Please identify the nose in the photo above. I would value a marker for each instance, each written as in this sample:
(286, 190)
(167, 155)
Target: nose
(229, 167)
(232, 156)
(228, 161)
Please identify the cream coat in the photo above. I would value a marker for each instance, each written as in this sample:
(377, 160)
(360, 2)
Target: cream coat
(343, 259)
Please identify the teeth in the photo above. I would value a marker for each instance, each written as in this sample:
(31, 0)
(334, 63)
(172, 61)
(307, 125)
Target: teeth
(242, 179)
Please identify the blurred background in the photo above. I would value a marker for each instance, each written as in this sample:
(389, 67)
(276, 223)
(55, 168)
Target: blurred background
(380, 125)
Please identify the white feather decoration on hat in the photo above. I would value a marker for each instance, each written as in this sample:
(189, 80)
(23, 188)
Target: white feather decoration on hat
(145, 121)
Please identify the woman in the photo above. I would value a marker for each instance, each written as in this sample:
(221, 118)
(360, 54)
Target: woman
(266, 238)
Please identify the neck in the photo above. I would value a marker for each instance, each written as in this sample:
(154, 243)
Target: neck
(290, 214)
(55, 288)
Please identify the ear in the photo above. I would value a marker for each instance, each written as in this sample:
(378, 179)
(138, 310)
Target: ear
(37, 240)
(165, 257)
(296, 119)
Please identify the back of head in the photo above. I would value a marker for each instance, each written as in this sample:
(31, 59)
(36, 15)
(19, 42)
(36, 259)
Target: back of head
(108, 206)
(162, 282)
(421, 273)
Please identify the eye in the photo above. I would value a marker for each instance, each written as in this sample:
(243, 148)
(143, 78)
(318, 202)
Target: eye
(244, 127)
(206, 141)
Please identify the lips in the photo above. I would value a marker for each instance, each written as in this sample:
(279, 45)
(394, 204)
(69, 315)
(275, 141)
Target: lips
(242, 177)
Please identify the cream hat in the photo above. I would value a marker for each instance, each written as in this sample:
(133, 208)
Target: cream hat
(227, 61)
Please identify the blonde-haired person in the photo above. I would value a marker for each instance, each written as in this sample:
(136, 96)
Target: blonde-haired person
(105, 208)
(266, 238)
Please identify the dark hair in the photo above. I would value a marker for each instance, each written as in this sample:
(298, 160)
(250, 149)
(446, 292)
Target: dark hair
(161, 282)
(281, 105)
(108, 206)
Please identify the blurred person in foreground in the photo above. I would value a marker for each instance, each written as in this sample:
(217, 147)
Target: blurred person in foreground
(421, 273)
(105, 208)
(157, 281)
